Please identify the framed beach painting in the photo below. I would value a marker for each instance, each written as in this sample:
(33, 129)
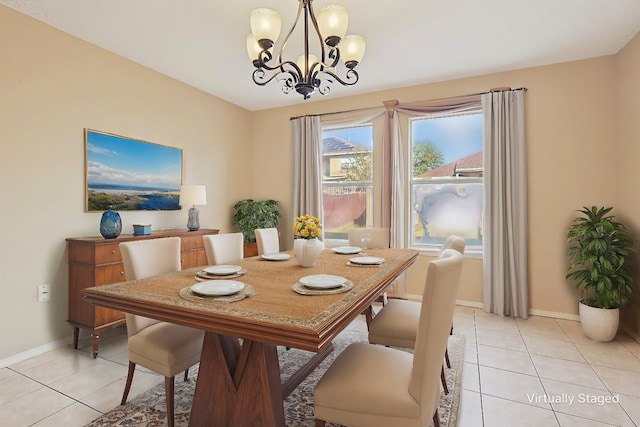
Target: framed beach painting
(128, 174)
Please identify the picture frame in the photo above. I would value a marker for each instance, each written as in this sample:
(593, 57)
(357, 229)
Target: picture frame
(127, 174)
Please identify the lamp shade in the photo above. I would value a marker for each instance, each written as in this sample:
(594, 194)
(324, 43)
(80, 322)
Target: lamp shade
(265, 24)
(193, 195)
(352, 48)
(312, 60)
(253, 48)
(333, 21)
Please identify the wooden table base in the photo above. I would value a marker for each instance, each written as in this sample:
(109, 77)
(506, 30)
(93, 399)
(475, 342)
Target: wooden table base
(241, 386)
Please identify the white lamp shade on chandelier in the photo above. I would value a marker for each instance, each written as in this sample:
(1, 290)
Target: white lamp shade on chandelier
(265, 24)
(310, 72)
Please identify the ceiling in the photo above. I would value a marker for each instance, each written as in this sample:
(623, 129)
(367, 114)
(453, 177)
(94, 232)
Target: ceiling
(409, 42)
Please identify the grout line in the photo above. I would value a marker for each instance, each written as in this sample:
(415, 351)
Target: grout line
(475, 332)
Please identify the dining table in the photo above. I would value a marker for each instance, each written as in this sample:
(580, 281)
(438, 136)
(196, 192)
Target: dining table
(238, 382)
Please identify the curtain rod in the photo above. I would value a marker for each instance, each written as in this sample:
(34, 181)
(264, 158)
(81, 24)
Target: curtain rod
(333, 112)
(497, 89)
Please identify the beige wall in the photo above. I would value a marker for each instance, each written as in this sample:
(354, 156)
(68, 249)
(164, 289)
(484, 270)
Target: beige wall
(625, 142)
(582, 135)
(52, 86)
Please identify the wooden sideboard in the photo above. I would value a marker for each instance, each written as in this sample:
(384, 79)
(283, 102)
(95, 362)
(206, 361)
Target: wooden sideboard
(95, 261)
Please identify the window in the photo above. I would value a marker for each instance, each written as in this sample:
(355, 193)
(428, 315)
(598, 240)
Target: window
(347, 180)
(446, 179)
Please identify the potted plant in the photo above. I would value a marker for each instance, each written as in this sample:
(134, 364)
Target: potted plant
(251, 214)
(599, 251)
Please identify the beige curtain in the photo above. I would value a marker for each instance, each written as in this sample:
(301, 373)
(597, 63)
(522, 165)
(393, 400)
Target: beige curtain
(505, 288)
(307, 168)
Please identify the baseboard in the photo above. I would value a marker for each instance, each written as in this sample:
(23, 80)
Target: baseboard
(33, 352)
(532, 312)
(472, 304)
(554, 314)
(631, 333)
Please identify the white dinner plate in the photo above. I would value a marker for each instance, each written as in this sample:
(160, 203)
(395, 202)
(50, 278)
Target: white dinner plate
(222, 270)
(347, 250)
(217, 287)
(367, 260)
(322, 281)
(276, 257)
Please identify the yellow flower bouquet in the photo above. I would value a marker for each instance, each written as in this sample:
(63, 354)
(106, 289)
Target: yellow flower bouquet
(307, 227)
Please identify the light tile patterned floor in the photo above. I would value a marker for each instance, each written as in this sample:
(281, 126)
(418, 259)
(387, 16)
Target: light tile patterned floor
(538, 372)
(544, 372)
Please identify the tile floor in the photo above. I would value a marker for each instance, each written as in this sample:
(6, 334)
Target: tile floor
(538, 372)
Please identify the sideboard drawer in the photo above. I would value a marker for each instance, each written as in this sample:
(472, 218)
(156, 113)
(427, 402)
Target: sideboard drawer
(106, 254)
(191, 242)
(110, 273)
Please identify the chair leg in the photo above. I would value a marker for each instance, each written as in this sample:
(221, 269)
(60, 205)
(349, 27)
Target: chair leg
(436, 419)
(127, 387)
(446, 351)
(368, 315)
(444, 381)
(168, 391)
(186, 374)
(320, 423)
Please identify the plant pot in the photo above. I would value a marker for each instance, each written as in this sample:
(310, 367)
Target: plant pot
(307, 251)
(250, 249)
(599, 324)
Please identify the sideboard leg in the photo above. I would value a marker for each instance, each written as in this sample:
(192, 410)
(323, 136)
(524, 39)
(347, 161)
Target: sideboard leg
(95, 338)
(76, 333)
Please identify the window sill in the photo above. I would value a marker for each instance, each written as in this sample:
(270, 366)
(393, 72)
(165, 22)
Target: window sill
(471, 254)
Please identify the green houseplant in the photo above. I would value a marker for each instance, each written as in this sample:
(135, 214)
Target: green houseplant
(599, 251)
(251, 214)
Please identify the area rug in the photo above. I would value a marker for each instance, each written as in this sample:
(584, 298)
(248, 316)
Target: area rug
(148, 409)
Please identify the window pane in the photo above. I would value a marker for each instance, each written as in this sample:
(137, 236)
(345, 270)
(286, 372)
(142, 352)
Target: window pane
(445, 209)
(347, 180)
(447, 170)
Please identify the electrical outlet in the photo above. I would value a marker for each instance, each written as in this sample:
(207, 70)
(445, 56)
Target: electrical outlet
(43, 293)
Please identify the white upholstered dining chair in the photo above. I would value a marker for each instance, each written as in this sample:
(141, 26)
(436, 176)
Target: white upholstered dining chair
(268, 240)
(375, 386)
(162, 347)
(223, 248)
(396, 324)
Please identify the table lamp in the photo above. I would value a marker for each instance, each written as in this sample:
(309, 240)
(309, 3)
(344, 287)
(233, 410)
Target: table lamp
(193, 195)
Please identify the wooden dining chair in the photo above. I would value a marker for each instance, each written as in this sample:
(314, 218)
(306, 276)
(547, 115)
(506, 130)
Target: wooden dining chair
(162, 347)
(223, 248)
(268, 240)
(396, 324)
(375, 386)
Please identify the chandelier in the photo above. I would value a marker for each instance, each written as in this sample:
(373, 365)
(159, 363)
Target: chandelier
(310, 71)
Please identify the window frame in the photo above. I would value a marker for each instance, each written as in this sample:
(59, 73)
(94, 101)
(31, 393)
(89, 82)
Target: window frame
(377, 129)
(471, 251)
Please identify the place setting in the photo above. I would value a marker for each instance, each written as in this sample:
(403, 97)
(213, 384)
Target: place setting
(365, 261)
(218, 272)
(322, 284)
(278, 256)
(217, 290)
(347, 250)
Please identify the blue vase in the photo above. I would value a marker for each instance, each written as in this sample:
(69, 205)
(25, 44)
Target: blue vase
(110, 224)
